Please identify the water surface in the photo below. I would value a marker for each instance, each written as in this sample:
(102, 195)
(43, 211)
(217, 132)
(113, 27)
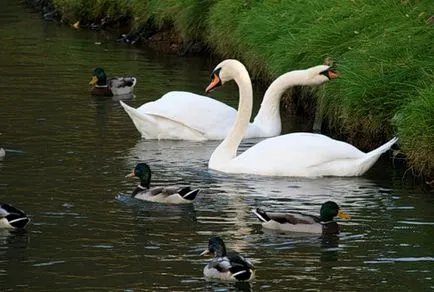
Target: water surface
(68, 155)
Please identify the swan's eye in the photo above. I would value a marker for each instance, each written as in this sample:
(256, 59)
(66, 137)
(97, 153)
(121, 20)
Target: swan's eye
(215, 72)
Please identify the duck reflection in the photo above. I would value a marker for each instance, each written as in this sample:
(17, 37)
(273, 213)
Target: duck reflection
(223, 286)
(329, 248)
(11, 239)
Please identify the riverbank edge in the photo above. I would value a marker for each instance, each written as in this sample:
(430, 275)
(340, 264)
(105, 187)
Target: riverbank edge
(164, 37)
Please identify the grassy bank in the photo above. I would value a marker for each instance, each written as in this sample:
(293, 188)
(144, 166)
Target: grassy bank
(383, 48)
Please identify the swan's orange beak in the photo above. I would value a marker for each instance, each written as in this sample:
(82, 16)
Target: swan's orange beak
(332, 74)
(214, 83)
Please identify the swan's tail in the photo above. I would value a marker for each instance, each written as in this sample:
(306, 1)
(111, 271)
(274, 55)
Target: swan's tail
(261, 214)
(142, 122)
(188, 194)
(371, 157)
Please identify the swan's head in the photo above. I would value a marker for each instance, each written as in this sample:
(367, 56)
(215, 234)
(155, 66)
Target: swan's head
(320, 74)
(98, 77)
(216, 246)
(225, 71)
(330, 209)
(143, 172)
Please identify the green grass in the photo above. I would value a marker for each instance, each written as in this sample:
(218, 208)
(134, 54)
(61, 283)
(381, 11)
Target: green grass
(383, 48)
(415, 126)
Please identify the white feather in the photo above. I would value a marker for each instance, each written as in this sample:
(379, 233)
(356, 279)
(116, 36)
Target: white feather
(297, 154)
(188, 116)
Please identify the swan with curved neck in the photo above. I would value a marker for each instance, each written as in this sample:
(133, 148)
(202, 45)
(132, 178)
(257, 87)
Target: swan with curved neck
(188, 116)
(295, 154)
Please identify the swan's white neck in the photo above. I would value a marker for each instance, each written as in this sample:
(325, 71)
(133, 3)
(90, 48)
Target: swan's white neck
(227, 150)
(268, 117)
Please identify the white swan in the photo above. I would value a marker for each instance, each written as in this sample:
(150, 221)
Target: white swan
(188, 116)
(296, 154)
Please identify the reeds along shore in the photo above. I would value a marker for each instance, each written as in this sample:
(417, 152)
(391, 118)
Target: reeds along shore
(384, 50)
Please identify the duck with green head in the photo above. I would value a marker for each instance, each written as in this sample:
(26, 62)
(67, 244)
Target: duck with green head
(226, 266)
(300, 222)
(169, 195)
(112, 86)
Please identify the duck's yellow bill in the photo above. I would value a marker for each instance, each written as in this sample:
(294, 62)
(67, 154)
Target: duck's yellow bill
(131, 174)
(343, 215)
(205, 252)
(93, 81)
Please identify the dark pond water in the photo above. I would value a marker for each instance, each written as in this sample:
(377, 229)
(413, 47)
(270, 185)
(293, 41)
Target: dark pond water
(69, 153)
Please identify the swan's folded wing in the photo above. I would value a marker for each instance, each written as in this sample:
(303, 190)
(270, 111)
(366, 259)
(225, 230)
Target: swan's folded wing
(197, 112)
(153, 126)
(297, 151)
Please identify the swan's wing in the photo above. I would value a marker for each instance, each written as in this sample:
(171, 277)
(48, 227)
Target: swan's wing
(198, 112)
(297, 150)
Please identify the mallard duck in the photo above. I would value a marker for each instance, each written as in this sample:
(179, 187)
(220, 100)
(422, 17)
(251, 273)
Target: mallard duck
(115, 85)
(171, 195)
(12, 218)
(299, 222)
(226, 266)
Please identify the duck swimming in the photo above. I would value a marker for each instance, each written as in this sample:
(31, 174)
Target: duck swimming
(114, 86)
(12, 218)
(299, 222)
(170, 195)
(226, 266)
